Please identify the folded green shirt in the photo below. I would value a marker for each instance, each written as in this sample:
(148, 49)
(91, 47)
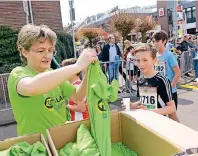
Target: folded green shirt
(84, 146)
(118, 149)
(25, 149)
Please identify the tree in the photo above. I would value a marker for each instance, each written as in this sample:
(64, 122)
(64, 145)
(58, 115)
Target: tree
(144, 24)
(90, 34)
(123, 23)
(64, 46)
(9, 56)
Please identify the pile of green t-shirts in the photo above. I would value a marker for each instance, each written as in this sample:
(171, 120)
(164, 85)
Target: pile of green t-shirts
(84, 145)
(25, 149)
(99, 93)
(118, 149)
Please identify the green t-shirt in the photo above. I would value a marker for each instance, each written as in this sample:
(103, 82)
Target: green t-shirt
(99, 93)
(35, 114)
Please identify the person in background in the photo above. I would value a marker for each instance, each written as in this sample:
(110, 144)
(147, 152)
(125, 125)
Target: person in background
(127, 44)
(78, 109)
(111, 53)
(184, 44)
(121, 63)
(37, 93)
(99, 52)
(131, 63)
(169, 65)
(169, 45)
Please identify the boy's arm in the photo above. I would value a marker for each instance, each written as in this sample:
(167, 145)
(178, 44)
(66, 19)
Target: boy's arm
(169, 109)
(79, 107)
(174, 117)
(176, 77)
(165, 92)
(80, 93)
(174, 64)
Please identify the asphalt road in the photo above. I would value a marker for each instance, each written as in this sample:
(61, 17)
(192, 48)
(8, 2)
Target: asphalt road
(187, 112)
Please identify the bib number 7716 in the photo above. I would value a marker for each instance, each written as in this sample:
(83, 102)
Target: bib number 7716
(148, 97)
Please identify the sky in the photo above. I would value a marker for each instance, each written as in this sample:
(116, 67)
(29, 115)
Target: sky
(84, 8)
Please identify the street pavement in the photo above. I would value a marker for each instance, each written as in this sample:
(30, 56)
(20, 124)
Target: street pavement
(187, 111)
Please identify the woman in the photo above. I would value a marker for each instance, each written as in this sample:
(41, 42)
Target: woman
(131, 63)
(99, 52)
(37, 93)
(127, 44)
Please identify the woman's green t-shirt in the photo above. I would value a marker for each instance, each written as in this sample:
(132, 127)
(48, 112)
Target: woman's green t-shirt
(35, 114)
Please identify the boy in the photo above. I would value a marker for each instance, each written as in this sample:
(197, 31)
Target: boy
(78, 110)
(167, 64)
(154, 89)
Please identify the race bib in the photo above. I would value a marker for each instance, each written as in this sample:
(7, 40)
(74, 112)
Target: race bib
(148, 97)
(160, 67)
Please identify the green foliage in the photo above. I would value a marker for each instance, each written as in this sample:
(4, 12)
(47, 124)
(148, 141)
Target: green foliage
(9, 55)
(64, 47)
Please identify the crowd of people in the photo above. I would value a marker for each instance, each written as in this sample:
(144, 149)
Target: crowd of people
(42, 98)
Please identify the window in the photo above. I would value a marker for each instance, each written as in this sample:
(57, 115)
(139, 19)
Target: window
(193, 12)
(188, 15)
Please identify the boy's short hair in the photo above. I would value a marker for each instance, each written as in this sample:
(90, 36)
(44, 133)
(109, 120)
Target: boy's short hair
(146, 47)
(161, 35)
(68, 62)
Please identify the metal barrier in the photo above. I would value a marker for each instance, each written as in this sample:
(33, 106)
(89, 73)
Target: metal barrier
(186, 65)
(186, 62)
(6, 115)
(125, 76)
(4, 98)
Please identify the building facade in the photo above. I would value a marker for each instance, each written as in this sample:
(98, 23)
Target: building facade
(14, 13)
(190, 16)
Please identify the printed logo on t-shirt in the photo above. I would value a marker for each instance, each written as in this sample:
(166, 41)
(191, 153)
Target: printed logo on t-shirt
(54, 103)
(160, 67)
(148, 97)
(102, 108)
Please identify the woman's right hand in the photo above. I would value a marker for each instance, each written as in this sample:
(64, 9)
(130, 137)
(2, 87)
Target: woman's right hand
(87, 56)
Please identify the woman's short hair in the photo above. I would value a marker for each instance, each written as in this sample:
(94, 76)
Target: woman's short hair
(30, 34)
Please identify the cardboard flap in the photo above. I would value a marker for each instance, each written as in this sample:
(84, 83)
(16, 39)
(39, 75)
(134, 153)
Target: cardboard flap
(143, 140)
(115, 127)
(173, 131)
(64, 134)
(46, 145)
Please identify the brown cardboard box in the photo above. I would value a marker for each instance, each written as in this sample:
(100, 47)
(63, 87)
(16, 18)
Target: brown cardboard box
(31, 139)
(124, 128)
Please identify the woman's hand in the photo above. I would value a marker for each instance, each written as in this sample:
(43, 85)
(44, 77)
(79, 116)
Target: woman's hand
(88, 56)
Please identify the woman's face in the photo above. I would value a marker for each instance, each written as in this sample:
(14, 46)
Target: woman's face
(98, 48)
(40, 55)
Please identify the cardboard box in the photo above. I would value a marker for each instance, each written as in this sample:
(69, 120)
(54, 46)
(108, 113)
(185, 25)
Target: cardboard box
(134, 132)
(31, 139)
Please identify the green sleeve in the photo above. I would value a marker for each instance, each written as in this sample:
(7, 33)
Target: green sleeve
(15, 76)
(67, 90)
